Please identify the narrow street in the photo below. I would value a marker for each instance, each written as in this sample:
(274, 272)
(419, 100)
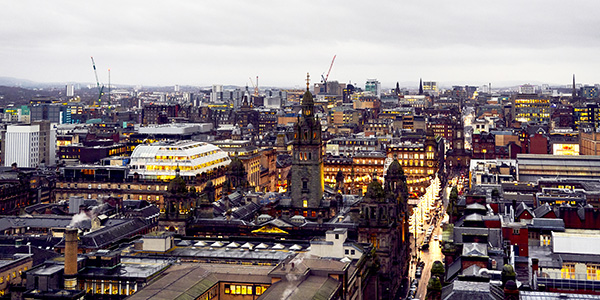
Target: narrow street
(434, 207)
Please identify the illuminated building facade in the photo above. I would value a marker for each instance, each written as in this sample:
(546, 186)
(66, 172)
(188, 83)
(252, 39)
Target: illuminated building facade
(94, 182)
(430, 87)
(357, 170)
(341, 116)
(420, 101)
(530, 107)
(161, 160)
(378, 127)
(247, 153)
(366, 101)
(89, 155)
(351, 146)
(420, 162)
(586, 116)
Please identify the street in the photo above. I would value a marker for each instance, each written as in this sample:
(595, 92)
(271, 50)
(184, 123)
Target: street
(430, 212)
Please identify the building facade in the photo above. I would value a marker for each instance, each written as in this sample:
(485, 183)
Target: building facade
(307, 183)
(30, 145)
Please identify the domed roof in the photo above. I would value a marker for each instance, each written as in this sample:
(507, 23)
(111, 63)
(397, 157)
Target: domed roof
(395, 169)
(177, 186)
(375, 191)
(307, 98)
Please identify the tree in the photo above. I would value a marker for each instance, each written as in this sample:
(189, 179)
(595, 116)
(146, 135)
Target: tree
(437, 269)
(508, 273)
(452, 210)
(434, 288)
(454, 194)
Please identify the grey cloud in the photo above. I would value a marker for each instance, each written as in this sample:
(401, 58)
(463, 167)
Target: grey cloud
(203, 42)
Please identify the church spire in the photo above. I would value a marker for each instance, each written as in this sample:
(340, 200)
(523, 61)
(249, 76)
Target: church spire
(307, 81)
(420, 86)
(307, 100)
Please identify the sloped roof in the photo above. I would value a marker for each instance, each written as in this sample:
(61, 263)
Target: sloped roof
(474, 249)
(475, 206)
(468, 290)
(548, 224)
(542, 210)
(521, 208)
(105, 236)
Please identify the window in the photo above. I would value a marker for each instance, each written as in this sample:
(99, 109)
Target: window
(516, 231)
(347, 251)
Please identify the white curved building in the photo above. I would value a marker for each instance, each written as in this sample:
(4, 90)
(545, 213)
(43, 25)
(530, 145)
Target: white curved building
(159, 161)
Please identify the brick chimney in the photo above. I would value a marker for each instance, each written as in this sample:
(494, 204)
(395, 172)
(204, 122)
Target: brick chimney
(70, 274)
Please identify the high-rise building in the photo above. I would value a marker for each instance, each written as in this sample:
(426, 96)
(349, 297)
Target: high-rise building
(374, 87)
(216, 94)
(53, 112)
(307, 183)
(589, 92)
(70, 90)
(30, 145)
(430, 86)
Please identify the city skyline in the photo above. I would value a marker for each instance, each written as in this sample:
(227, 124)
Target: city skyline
(228, 42)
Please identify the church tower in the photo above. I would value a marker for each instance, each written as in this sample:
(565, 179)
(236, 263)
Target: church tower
(307, 183)
(383, 222)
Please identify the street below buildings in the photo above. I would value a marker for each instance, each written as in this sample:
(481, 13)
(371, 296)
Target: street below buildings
(426, 223)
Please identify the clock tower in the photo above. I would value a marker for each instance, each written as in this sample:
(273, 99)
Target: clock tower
(307, 183)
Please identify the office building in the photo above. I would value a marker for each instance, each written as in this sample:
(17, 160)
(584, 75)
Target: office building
(161, 161)
(30, 146)
(530, 108)
(374, 87)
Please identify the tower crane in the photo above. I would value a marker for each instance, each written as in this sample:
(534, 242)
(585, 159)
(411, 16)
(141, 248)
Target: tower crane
(255, 86)
(326, 77)
(100, 88)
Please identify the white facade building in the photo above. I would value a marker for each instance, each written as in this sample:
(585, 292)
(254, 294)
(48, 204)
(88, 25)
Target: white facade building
(30, 145)
(22, 146)
(159, 161)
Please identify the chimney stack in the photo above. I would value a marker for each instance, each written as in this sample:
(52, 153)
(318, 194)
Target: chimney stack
(70, 274)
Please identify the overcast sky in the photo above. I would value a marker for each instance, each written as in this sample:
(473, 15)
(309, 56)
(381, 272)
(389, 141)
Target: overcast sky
(226, 42)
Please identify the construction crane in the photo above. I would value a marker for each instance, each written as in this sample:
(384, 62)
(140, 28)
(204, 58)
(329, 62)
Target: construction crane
(255, 86)
(326, 77)
(100, 88)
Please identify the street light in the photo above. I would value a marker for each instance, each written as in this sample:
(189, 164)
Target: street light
(484, 152)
